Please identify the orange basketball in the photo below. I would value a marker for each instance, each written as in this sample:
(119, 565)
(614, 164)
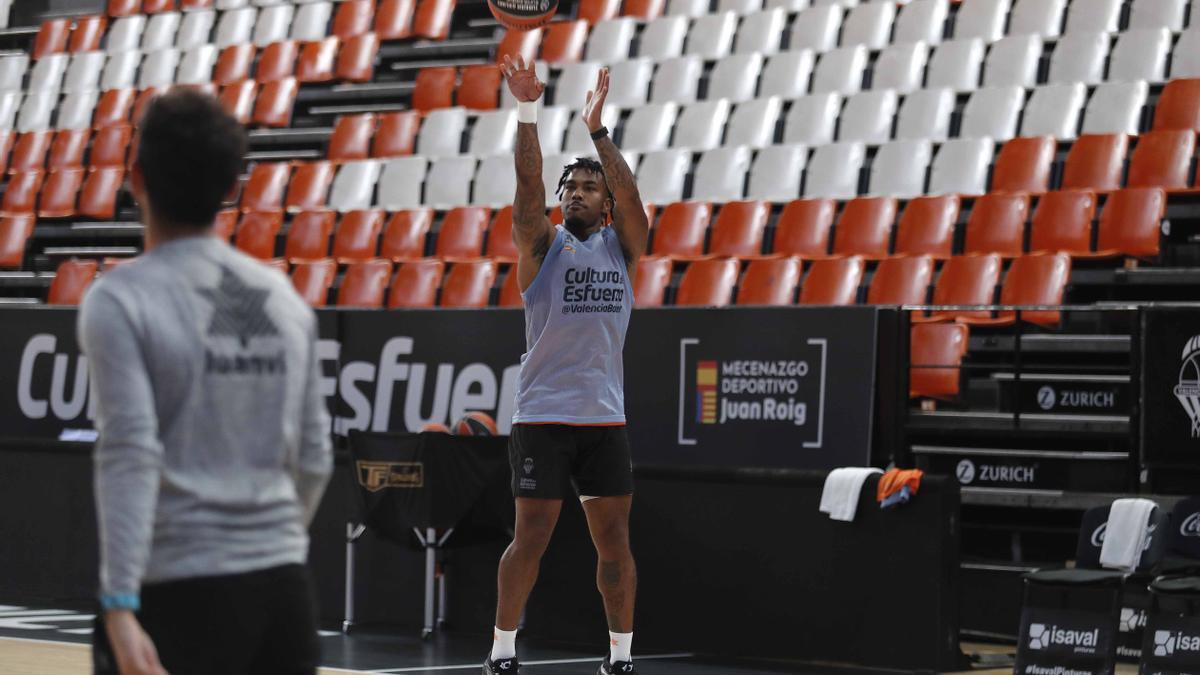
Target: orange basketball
(523, 14)
(475, 424)
(435, 428)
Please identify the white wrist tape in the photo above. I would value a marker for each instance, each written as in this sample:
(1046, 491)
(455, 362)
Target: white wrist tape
(527, 112)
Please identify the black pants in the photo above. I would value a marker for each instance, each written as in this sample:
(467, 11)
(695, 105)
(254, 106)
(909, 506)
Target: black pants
(258, 622)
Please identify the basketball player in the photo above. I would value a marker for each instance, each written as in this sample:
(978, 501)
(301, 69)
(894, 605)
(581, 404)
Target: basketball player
(569, 425)
(214, 444)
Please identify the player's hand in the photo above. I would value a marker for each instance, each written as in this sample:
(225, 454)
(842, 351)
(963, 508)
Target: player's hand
(593, 108)
(131, 645)
(522, 81)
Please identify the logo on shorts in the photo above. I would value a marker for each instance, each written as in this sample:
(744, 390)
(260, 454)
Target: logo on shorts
(376, 476)
(528, 466)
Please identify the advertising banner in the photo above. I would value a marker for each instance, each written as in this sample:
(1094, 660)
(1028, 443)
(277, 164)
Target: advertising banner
(1065, 642)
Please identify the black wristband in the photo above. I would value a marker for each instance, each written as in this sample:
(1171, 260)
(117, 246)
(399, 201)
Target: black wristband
(599, 133)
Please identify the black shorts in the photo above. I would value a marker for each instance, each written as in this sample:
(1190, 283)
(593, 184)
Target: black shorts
(546, 458)
(258, 622)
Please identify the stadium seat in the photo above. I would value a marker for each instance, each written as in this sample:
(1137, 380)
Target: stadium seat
(739, 228)
(596, 11)
(495, 181)
(160, 32)
(1162, 159)
(803, 228)
(1140, 54)
(687, 8)
(1013, 61)
(351, 138)
(434, 88)
(71, 281)
(708, 283)
(83, 73)
(551, 127)
(519, 44)
(1095, 162)
(469, 284)
(961, 167)
(956, 64)
(770, 281)
(921, 21)
(833, 171)
(48, 72)
(308, 235)
(661, 175)
(441, 132)
(500, 244)
(760, 32)
(701, 125)
(480, 87)
(313, 279)
(15, 231)
(317, 61)
(925, 115)
(118, 8)
(663, 38)
(432, 19)
(680, 232)
(257, 232)
(753, 122)
(29, 152)
(158, 69)
(397, 134)
(51, 38)
(997, 224)
(357, 236)
(236, 27)
(993, 112)
(462, 233)
(113, 108)
(1034, 279)
(404, 238)
(356, 58)
(10, 101)
(1095, 16)
(275, 23)
(867, 117)
(393, 19)
(902, 280)
(966, 280)
(865, 227)
(417, 283)
(196, 29)
(901, 68)
(125, 34)
(238, 99)
(610, 40)
(266, 186)
(899, 168)
(1115, 108)
(278, 61)
(233, 64)
(225, 224)
(399, 184)
(7, 140)
(59, 193)
(812, 119)
(816, 28)
(12, 71)
(1062, 221)
(832, 281)
(645, 10)
(20, 195)
(936, 352)
(35, 111)
(1054, 110)
(630, 83)
(650, 282)
(1157, 14)
(841, 70)
(275, 102)
(721, 174)
(353, 18)
(711, 36)
(1023, 165)
(158, 6)
(735, 77)
(449, 181)
(1131, 223)
(108, 149)
(869, 24)
(76, 110)
(926, 227)
(677, 80)
(196, 66)
(1178, 106)
(574, 82)
(364, 284)
(563, 41)
(983, 19)
(510, 291)
(787, 75)
(777, 172)
(1038, 18)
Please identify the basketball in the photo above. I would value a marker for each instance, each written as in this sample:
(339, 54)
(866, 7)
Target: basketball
(523, 14)
(475, 423)
(435, 428)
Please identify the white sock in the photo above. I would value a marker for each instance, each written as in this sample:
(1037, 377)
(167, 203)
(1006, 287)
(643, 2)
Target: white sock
(622, 644)
(504, 645)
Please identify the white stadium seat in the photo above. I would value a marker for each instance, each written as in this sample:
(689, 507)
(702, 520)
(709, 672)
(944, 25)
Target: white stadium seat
(922, 21)
(663, 37)
(125, 34)
(777, 173)
(629, 83)
(649, 127)
(869, 25)
(12, 71)
(76, 110)
(610, 40)
(121, 70)
(312, 21)
(899, 167)
(661, 175)
(449, 182)
(1185, 60)
(552, 126)
(1140, 54)
(195, 29)
(740, 7)
(841, 70)
(868, 117)
(677, 80)
(711, 36)
(354, 185)
(1054, 110)
(787, 74)
(761, 32)
(701, 125)
(36, 110)
(721, 174)
(956, 64)
(812, 119)
(687, 8)
(400, 183)
(196, 67)
(235, 27)
(84, 72)
(495, 182)
(735, 77)
(926, 114)
(273, 25)
(993, 112)
(48, 72)
(161, 31)
(441, 132)
(1090, 16)
(574, 82)
(158, 69)
(816, 28)
(579, 141)
(493, 133)
(1115, 108)
(10, 103)
(1043, 18)
(1158, 14)
(1013, 61)
(753, 122)
(961, 167)
(1079, 57)
(833, 171)
(901, 67)
(983, 19)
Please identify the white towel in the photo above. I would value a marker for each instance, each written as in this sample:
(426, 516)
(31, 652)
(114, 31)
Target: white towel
(1127, 533)
(839, 498)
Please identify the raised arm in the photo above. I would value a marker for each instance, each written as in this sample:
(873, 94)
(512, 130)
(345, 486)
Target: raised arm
(629, 215)
(532, 231)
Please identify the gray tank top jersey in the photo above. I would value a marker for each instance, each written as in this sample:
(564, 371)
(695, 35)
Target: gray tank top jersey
(576, 313)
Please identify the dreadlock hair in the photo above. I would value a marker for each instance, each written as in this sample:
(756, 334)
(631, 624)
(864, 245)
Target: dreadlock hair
(585, 163)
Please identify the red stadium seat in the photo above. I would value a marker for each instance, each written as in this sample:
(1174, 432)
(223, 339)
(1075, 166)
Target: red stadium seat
(708, 283)
(365, 283)
(238, 99)
(936, 352)
(680, 232)
(309, 186)
(356, 58)
(510, 290)
(308, 236)
(157, 6)
(357, 236)
(275, 103)
(519, 43)
(20, 195)
(432, 19)
(738, 229)
(313, 279)
(7, 140)
(997, 224)
(14, 232)
(926, 227)
(434, 88)
(770, 281)
(225, 224)
(1063, 222)
(393, 20)
(317, 60)
(1162, 159)
(98, 198)
(233, 64)
(803, 228)
(133, 152)
(193, 5)
(469, 284)
(69, 145)
(556, 216)
(1131, 223)
(651, 281)
(1095, 162)
(397, 134)
(351, 137)
(114, 108)
(416, 284)
(119, 8)
(353, 18)
(87, 33)
(404, 238)
(1178, 106)
(480, 88)
(1035, 279)
(500, 244)
(70, 281)
(29, 153)
(1023, 165)
(966, 280)
(278, 61)
(903, 280)
(51, 38)
(60, 193)
(143, 99)
(865, 227)
(258, 232)
(461, 234)
(266, 186)
(595, 11)
(563, 41)
(833, 281)
(647, 10)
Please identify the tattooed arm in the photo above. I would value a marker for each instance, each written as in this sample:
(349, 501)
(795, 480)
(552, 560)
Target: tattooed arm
(629, 215)
(532, 231)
